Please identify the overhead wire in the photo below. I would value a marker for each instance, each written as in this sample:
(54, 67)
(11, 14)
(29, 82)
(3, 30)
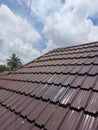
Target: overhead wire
(28, 17)
(24, 40)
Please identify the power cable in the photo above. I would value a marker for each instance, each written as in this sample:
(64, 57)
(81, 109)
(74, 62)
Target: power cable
(24, 40)
(28, 17)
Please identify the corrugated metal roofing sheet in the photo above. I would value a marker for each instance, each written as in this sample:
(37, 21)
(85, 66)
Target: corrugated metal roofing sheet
(57, 91)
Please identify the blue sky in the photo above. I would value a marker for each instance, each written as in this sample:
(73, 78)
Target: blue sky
(52, 24)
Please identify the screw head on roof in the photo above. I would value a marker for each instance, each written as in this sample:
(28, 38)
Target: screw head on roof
(22, 122)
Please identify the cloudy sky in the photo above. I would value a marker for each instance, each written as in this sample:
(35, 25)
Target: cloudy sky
(52, 24)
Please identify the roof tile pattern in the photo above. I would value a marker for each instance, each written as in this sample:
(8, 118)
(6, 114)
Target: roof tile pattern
(57, 91)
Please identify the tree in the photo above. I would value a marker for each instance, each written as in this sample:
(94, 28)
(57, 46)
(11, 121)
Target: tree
(13, 62)
(3, 68)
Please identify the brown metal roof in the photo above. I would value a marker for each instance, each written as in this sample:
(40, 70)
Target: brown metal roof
(57, 91)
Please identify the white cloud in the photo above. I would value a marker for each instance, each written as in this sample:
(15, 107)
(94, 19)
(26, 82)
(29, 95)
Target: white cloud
(2, 58)
(42, 8)
(26, 51)
(70, 24)
(66, 23)
(12, 35)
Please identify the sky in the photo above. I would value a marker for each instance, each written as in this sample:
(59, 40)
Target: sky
(51, 24)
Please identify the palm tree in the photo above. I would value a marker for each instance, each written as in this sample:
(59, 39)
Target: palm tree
(13, 62)
(3, 68)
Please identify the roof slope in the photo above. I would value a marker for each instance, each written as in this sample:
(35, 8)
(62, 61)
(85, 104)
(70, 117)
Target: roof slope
(58, 91)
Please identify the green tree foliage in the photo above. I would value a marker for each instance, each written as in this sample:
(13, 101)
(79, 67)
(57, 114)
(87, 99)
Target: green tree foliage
(3, 68)
(13, 62)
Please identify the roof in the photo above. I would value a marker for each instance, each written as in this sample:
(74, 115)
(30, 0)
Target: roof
(4, 73)
(57, 91)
